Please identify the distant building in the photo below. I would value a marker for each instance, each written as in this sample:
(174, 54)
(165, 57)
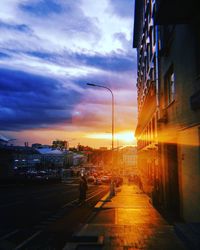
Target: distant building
(55, 158)
(130, 156)
(15, 158)
(36, 145)
(5, 141)
(59, 144)
(103, 148)
(23, 158)
(79, 159)
(101, 158)
(167, 38)
(125, 160)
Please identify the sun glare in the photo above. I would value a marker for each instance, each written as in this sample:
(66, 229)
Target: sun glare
(124, 137)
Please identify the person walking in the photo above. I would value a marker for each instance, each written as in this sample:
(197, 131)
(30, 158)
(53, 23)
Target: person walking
(112, 188)
(82, 188)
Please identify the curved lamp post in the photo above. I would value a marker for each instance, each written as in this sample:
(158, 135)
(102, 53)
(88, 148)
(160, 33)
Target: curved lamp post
(104, 87)
(112, 186)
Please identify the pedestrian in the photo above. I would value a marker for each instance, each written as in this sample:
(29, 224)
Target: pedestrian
(82, 188)
(140, 183)
(112, 188)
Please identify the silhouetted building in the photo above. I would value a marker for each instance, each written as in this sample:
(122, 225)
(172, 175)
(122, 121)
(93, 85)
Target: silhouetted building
(36, 145)
(55, 158)
(59, 144)
(16, 158)
(167, 38)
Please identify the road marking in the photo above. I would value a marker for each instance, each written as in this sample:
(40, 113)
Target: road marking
(95, 195)
(76, 200)
(27, 240)
(9, 234)
(69, 203)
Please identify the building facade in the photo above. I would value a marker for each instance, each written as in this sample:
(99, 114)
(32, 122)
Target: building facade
(128, 160)
(167, 38)
(16, 159)
(55, 158)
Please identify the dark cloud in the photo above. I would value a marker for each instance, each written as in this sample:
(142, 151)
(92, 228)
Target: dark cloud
(3, 55)
(33, 101)
(122, 81)
(42, 8)
(18, 27)
(123, 8)
(52, 57)
(109, 62)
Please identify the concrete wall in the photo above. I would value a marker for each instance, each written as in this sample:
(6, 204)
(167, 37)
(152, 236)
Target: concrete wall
(182, 55)
(182, 126)
(189, 160)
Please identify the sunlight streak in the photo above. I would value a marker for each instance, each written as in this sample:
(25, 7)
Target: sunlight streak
(124, 137)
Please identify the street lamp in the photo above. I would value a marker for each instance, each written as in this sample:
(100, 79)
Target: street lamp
(104, 87)
(112, 186)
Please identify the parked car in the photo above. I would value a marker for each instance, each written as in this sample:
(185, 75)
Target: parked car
(41, 175)
(91, 179)
(105, 179)
(118, 181)
(98, 181)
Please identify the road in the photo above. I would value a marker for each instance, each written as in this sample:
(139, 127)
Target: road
(43, 216)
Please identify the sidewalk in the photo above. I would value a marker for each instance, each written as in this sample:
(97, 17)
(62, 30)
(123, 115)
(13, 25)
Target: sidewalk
(126, 222)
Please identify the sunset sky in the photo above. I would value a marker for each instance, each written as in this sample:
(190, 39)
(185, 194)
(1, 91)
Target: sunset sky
(49, 50)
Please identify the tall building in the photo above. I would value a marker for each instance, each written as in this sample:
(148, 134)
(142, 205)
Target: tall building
(147, 86)
(167, 39)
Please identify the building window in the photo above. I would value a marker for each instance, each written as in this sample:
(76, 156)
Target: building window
(169, 87)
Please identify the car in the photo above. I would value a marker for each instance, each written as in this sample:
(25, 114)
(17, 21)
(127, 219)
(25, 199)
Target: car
(105, 179)
(118, 181)
(98, 181)
(91, 179)
(41, 175)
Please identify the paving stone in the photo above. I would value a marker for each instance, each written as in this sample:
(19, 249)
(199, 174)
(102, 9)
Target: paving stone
(129, 222)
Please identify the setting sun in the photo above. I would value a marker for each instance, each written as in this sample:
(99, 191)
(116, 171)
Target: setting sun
(124, 137)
